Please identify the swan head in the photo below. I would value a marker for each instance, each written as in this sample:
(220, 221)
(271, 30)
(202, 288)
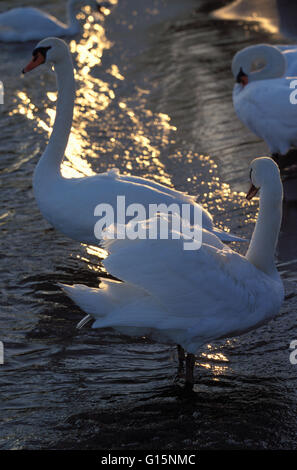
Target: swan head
(258, 62)
(265, 175)
(49, 50)
(242, 77)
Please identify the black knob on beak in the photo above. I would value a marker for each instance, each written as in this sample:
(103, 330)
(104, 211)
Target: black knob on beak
(240, 76)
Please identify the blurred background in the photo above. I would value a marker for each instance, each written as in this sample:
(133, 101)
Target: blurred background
(154, 98)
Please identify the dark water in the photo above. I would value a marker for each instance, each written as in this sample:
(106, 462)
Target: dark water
(154, 99)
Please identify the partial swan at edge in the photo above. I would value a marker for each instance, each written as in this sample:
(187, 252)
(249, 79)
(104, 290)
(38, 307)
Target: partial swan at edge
(261, 97)
(29, 23)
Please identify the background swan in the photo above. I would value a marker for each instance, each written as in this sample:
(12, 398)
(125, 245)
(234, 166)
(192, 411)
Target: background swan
(191, 298)
(290, 54)
(261, 97)
(68, 204)
(28, 23)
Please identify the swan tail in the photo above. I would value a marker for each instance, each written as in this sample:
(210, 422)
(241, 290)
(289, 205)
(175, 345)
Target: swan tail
(98, 303)
(92, 301)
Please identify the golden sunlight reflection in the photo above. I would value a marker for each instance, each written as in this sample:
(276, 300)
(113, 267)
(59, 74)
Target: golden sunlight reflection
(92, 256)
(24, 107)
(215, 356)
(88, 54)
(93, 99)
(96, 251)
(263, 12)
(114, 71)
(217, 193)
(93, 252)
(214, 361)
(114, 128)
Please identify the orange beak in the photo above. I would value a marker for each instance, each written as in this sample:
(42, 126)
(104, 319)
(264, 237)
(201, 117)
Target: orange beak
(244, 80)
(35, 62)
(252, 192)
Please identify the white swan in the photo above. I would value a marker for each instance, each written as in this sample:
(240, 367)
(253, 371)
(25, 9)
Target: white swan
(68, 204)
(261, 98)
(31, 24)
(191, 298)
(290, 54)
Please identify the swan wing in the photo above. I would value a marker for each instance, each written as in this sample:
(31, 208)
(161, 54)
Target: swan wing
(144, 191)
(181, 198)
(210, 293)
(27, 23)
(26, 17)
(264, 107)
(290, 52)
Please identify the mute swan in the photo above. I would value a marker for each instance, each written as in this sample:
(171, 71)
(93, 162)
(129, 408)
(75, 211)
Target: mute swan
(261, 98)
(192, 298)
(29, 24)
(68, 204)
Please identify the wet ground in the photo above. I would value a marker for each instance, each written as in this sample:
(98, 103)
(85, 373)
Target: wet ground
(154, 99)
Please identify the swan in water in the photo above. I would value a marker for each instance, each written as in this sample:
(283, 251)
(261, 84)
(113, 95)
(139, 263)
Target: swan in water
(261, 96)
(191, 298)
(68, 204)
(31, 24)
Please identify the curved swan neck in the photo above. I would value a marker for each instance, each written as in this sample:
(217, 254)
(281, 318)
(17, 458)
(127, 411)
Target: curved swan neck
(50, 162)
(73, 23)
(274, 62)
(262, 247)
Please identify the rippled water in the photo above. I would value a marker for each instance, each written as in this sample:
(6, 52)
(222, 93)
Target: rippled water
(154, 99)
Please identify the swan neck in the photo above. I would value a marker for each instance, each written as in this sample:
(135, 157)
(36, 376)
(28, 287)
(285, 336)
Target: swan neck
(73, 23)
(50, 162)
(261, 251)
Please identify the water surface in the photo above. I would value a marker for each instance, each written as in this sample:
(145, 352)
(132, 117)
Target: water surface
(154, 99)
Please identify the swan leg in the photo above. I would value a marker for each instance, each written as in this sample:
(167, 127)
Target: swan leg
(190, 363)
(181, 360)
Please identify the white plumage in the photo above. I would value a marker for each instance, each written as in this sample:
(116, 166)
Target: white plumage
(261, 99)
(69, 204)
(191, 298)
(29, 23)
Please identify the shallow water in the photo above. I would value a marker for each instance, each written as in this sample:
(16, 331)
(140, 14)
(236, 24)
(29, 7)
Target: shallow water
(154, 99)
